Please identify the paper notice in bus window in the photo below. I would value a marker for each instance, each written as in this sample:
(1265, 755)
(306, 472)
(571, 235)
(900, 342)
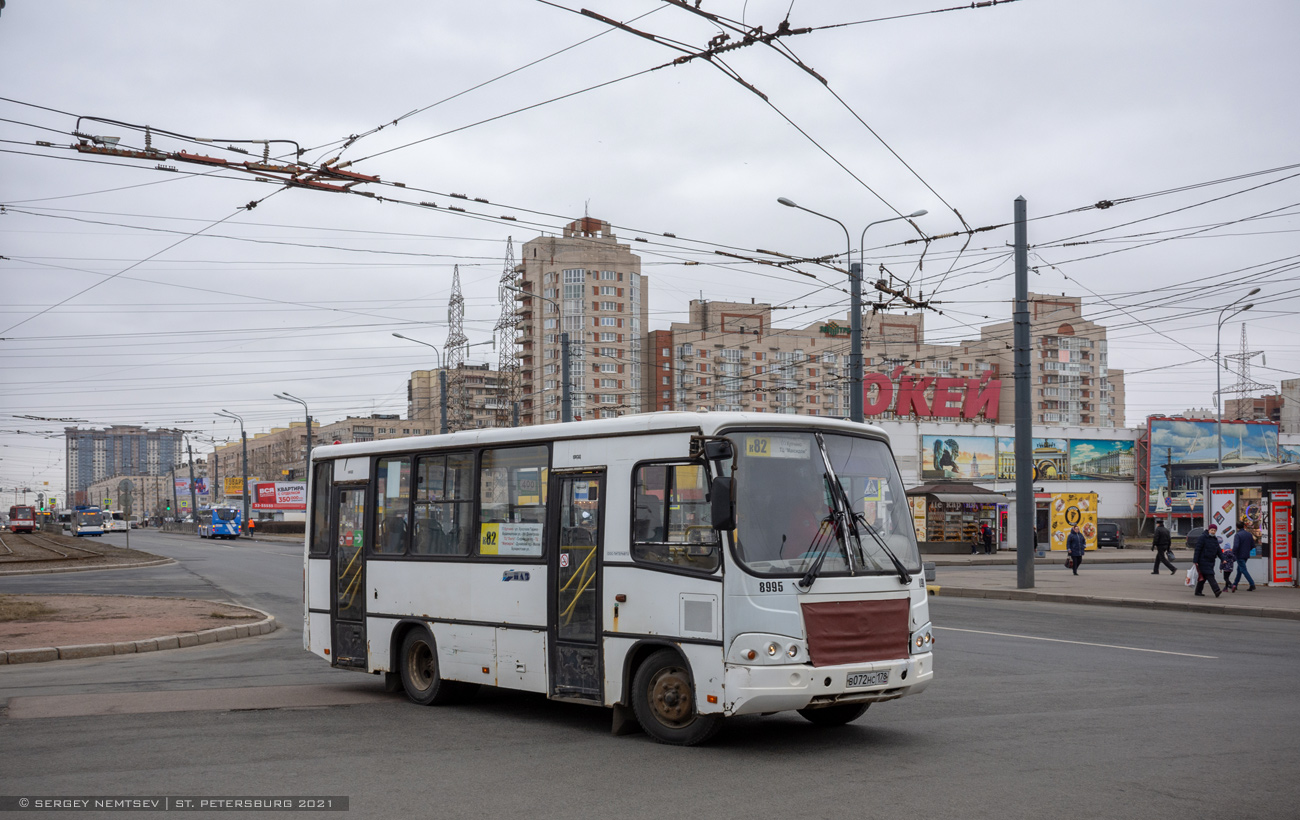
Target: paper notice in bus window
(393, 482)
(777, 447)
(510, 539)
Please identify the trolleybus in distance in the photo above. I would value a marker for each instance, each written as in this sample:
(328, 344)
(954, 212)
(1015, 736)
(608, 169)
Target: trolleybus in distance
(219, 522)
(22, 518)
(87, 521)
(677, 567)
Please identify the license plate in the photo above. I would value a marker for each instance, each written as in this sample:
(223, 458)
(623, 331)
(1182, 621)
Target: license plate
(856, 679)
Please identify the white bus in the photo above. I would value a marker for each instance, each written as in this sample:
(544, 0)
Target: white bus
(115, 521)
(677, 567)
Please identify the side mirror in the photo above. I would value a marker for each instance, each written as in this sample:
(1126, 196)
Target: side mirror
(722, 511)
(717, 448)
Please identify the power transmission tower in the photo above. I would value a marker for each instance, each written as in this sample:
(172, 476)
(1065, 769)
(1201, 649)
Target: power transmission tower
(1244, 385)
(454, 353)
(506, 332)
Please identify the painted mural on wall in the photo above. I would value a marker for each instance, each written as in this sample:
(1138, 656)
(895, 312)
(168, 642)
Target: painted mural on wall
(958, 458)
(1183, 451)
(1101, 460)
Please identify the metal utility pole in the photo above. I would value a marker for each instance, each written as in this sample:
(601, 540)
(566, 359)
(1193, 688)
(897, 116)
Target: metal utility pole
(442, 382)
(1025, 506)
(176, 502)
(290, 397)
(454, 347)
(194, 496)
(243, 524)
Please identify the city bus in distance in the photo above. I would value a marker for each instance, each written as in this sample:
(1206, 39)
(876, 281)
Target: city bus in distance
(115, 521)
(219, 522)
(65, 521)
(87, 521)
(22, 518)
(676, 567)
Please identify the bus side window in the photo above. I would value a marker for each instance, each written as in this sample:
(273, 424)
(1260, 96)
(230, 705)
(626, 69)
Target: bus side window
(444, 505)
(670, 517)
(512, 501)
(392, 505)
(320, 508)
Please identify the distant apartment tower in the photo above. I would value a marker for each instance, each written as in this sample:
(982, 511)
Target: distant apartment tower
(599, 296)
(93, 455)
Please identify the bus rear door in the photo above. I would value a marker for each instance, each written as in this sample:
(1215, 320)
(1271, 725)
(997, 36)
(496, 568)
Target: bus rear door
(576, 536)
(347, 569)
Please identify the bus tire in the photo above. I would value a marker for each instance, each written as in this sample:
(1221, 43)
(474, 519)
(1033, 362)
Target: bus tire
(834, 715)
(419, 670)
(663, 699)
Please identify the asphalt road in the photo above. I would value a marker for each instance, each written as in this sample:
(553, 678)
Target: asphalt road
(1037, 711)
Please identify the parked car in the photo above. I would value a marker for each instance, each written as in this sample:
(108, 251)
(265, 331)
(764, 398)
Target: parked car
(1193, 535)
(1110, 535)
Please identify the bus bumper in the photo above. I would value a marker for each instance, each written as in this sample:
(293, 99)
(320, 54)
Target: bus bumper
(762, 689)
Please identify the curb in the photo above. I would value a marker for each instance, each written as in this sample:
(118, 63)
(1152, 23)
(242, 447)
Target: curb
(52, 570)
(1092, 600)
(222, 634)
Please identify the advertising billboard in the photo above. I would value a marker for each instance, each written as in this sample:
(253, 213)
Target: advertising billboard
(1183, 451)
(183, 486)
(279, 495)
(1070, 510)
(1050, 457)
(1101, 460)
(958, 458)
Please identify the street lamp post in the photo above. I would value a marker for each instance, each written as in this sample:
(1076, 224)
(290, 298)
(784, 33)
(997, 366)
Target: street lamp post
(289, 397)
(442, 382)
(855, 295)
(1218, 372)
(243, 524)
(566, 399)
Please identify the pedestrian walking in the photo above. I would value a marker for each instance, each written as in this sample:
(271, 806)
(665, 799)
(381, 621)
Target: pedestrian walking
(1207, 550)
(1226, 560)
(1163, 545)
(1075, 544)
(987, 534)
(1243, 544)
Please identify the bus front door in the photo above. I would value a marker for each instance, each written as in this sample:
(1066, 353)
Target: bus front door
(576, 534)
(348, 607)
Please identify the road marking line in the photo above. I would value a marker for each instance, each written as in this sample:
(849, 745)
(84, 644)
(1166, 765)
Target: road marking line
(1079, 643)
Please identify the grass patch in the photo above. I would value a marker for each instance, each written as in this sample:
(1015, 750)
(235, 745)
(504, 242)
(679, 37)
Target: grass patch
(14, 609)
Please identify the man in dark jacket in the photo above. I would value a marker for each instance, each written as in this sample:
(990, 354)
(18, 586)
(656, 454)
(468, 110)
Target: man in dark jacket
(1162, 545)
(1207, 551)
(1243, 543)
(988, 539)
(1075, 544)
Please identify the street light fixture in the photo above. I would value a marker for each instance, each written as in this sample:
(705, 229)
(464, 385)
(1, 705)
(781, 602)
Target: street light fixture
(855, 294)
(290, 397)
(243, 524)
(1218, 372)
(566, 400)
(442, 381)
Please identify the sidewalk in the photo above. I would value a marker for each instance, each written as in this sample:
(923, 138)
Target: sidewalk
(1132, 585)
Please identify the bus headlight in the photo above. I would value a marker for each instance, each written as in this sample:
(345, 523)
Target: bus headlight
(922, 640)
(767, 650)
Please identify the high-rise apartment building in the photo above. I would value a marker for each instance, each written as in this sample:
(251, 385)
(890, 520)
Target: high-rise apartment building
(93, 455)
(589, 285)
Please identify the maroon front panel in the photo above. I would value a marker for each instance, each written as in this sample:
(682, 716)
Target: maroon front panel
(856, 631)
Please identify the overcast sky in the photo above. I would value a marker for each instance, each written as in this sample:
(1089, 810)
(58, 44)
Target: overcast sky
(1067, 103)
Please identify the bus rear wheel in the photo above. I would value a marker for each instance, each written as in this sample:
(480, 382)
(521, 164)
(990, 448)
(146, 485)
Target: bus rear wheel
(834, 715)
(419, 670)
(663, 699)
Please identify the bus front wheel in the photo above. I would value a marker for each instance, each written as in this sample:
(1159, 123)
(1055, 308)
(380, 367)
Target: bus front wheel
(663, 699)
(834, 715)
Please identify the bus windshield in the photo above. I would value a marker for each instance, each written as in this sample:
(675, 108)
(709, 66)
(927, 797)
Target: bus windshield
(785, 511)
(225, 514)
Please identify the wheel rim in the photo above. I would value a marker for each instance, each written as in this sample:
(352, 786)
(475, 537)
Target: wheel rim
(670, 697)
(419, 665)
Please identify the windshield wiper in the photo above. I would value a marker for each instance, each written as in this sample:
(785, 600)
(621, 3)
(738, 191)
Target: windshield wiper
(822, 550)
(903, 575)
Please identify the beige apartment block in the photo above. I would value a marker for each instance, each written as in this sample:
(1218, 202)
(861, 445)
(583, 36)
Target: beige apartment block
(152, 493)
(475, 410)
(730, 356)
(598, 295)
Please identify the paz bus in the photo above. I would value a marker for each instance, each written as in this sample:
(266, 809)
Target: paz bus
(677, 567)
(22, 518)
(219, 522)
(87, 520)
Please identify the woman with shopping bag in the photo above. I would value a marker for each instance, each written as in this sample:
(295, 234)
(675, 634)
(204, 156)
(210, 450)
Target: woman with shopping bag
(1206, 553)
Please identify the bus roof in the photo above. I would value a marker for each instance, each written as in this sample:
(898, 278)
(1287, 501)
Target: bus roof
(667, 421)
